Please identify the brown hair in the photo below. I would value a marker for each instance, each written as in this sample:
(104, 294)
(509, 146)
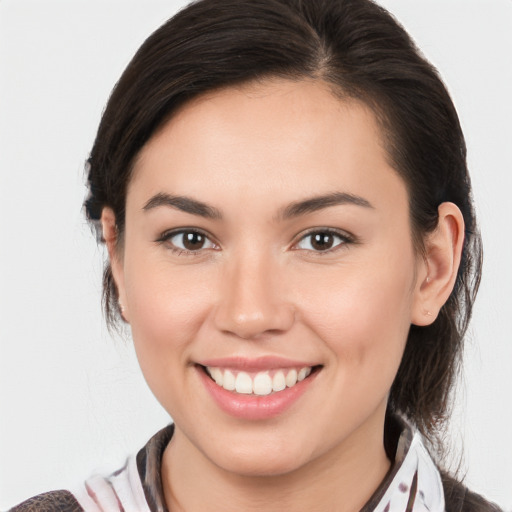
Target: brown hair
(359, 48)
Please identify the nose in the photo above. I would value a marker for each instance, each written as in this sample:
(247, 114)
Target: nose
(252, 302)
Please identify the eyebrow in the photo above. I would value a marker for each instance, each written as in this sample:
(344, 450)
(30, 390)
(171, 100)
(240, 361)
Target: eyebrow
(295, 209)
(316, 203)
(183, 203)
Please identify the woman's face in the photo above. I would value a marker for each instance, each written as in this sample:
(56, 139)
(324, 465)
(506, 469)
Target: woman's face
(267, 238)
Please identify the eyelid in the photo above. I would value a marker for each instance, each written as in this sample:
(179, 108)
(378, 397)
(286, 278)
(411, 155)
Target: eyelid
(166, 236)
(346, 238)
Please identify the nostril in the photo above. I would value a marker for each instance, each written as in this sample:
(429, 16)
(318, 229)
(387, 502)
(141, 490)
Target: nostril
(267, 320)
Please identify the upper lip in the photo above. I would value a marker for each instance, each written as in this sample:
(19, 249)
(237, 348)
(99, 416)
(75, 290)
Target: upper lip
(255, 364)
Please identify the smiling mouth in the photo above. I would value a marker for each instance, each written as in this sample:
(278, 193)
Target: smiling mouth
(258, 383)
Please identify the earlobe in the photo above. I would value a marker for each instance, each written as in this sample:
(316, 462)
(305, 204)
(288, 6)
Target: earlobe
(111, 238)
(436, 279)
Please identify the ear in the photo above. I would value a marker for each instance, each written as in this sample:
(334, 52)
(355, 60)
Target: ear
(111, 237)
(438, 271)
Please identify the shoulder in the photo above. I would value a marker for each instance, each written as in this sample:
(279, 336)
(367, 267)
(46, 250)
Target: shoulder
(459, 498)
(54, 501)
(135, 486)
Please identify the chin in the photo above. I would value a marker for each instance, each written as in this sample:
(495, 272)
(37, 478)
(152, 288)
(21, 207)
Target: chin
(260, 460)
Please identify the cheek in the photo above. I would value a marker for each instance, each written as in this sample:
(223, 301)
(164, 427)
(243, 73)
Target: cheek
(166, 309)
(363, 317)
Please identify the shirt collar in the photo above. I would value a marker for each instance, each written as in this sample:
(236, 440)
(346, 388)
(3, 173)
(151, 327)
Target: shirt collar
(413, 484)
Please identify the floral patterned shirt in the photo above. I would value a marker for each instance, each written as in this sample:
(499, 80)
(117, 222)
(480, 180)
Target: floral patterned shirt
(413, 483)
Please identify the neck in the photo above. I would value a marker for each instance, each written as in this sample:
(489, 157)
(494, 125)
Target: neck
(342, 479)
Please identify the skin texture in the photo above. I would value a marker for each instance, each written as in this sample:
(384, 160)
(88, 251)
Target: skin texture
(259, 288)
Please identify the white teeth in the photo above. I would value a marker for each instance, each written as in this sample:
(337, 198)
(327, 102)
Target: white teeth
(261, 383)
(243, 383)
(278, 382)
(291, 378)
(228, 381)
(217, 375)
(303, 373)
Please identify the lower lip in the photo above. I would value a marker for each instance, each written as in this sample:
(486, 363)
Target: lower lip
(254, 407)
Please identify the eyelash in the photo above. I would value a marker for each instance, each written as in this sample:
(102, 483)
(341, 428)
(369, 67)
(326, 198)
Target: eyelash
(344, 238)
(166, 237)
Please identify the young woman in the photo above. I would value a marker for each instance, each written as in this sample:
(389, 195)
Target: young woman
(283, 191)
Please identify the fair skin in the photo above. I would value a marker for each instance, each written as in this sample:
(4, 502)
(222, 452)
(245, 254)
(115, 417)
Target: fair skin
(270, 284)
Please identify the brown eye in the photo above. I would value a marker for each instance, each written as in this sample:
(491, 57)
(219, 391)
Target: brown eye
(191, 241)
(321, 241)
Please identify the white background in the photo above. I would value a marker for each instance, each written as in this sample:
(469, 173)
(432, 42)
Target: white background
(72, 400)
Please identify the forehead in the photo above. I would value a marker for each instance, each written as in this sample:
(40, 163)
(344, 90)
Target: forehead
(288, 137)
